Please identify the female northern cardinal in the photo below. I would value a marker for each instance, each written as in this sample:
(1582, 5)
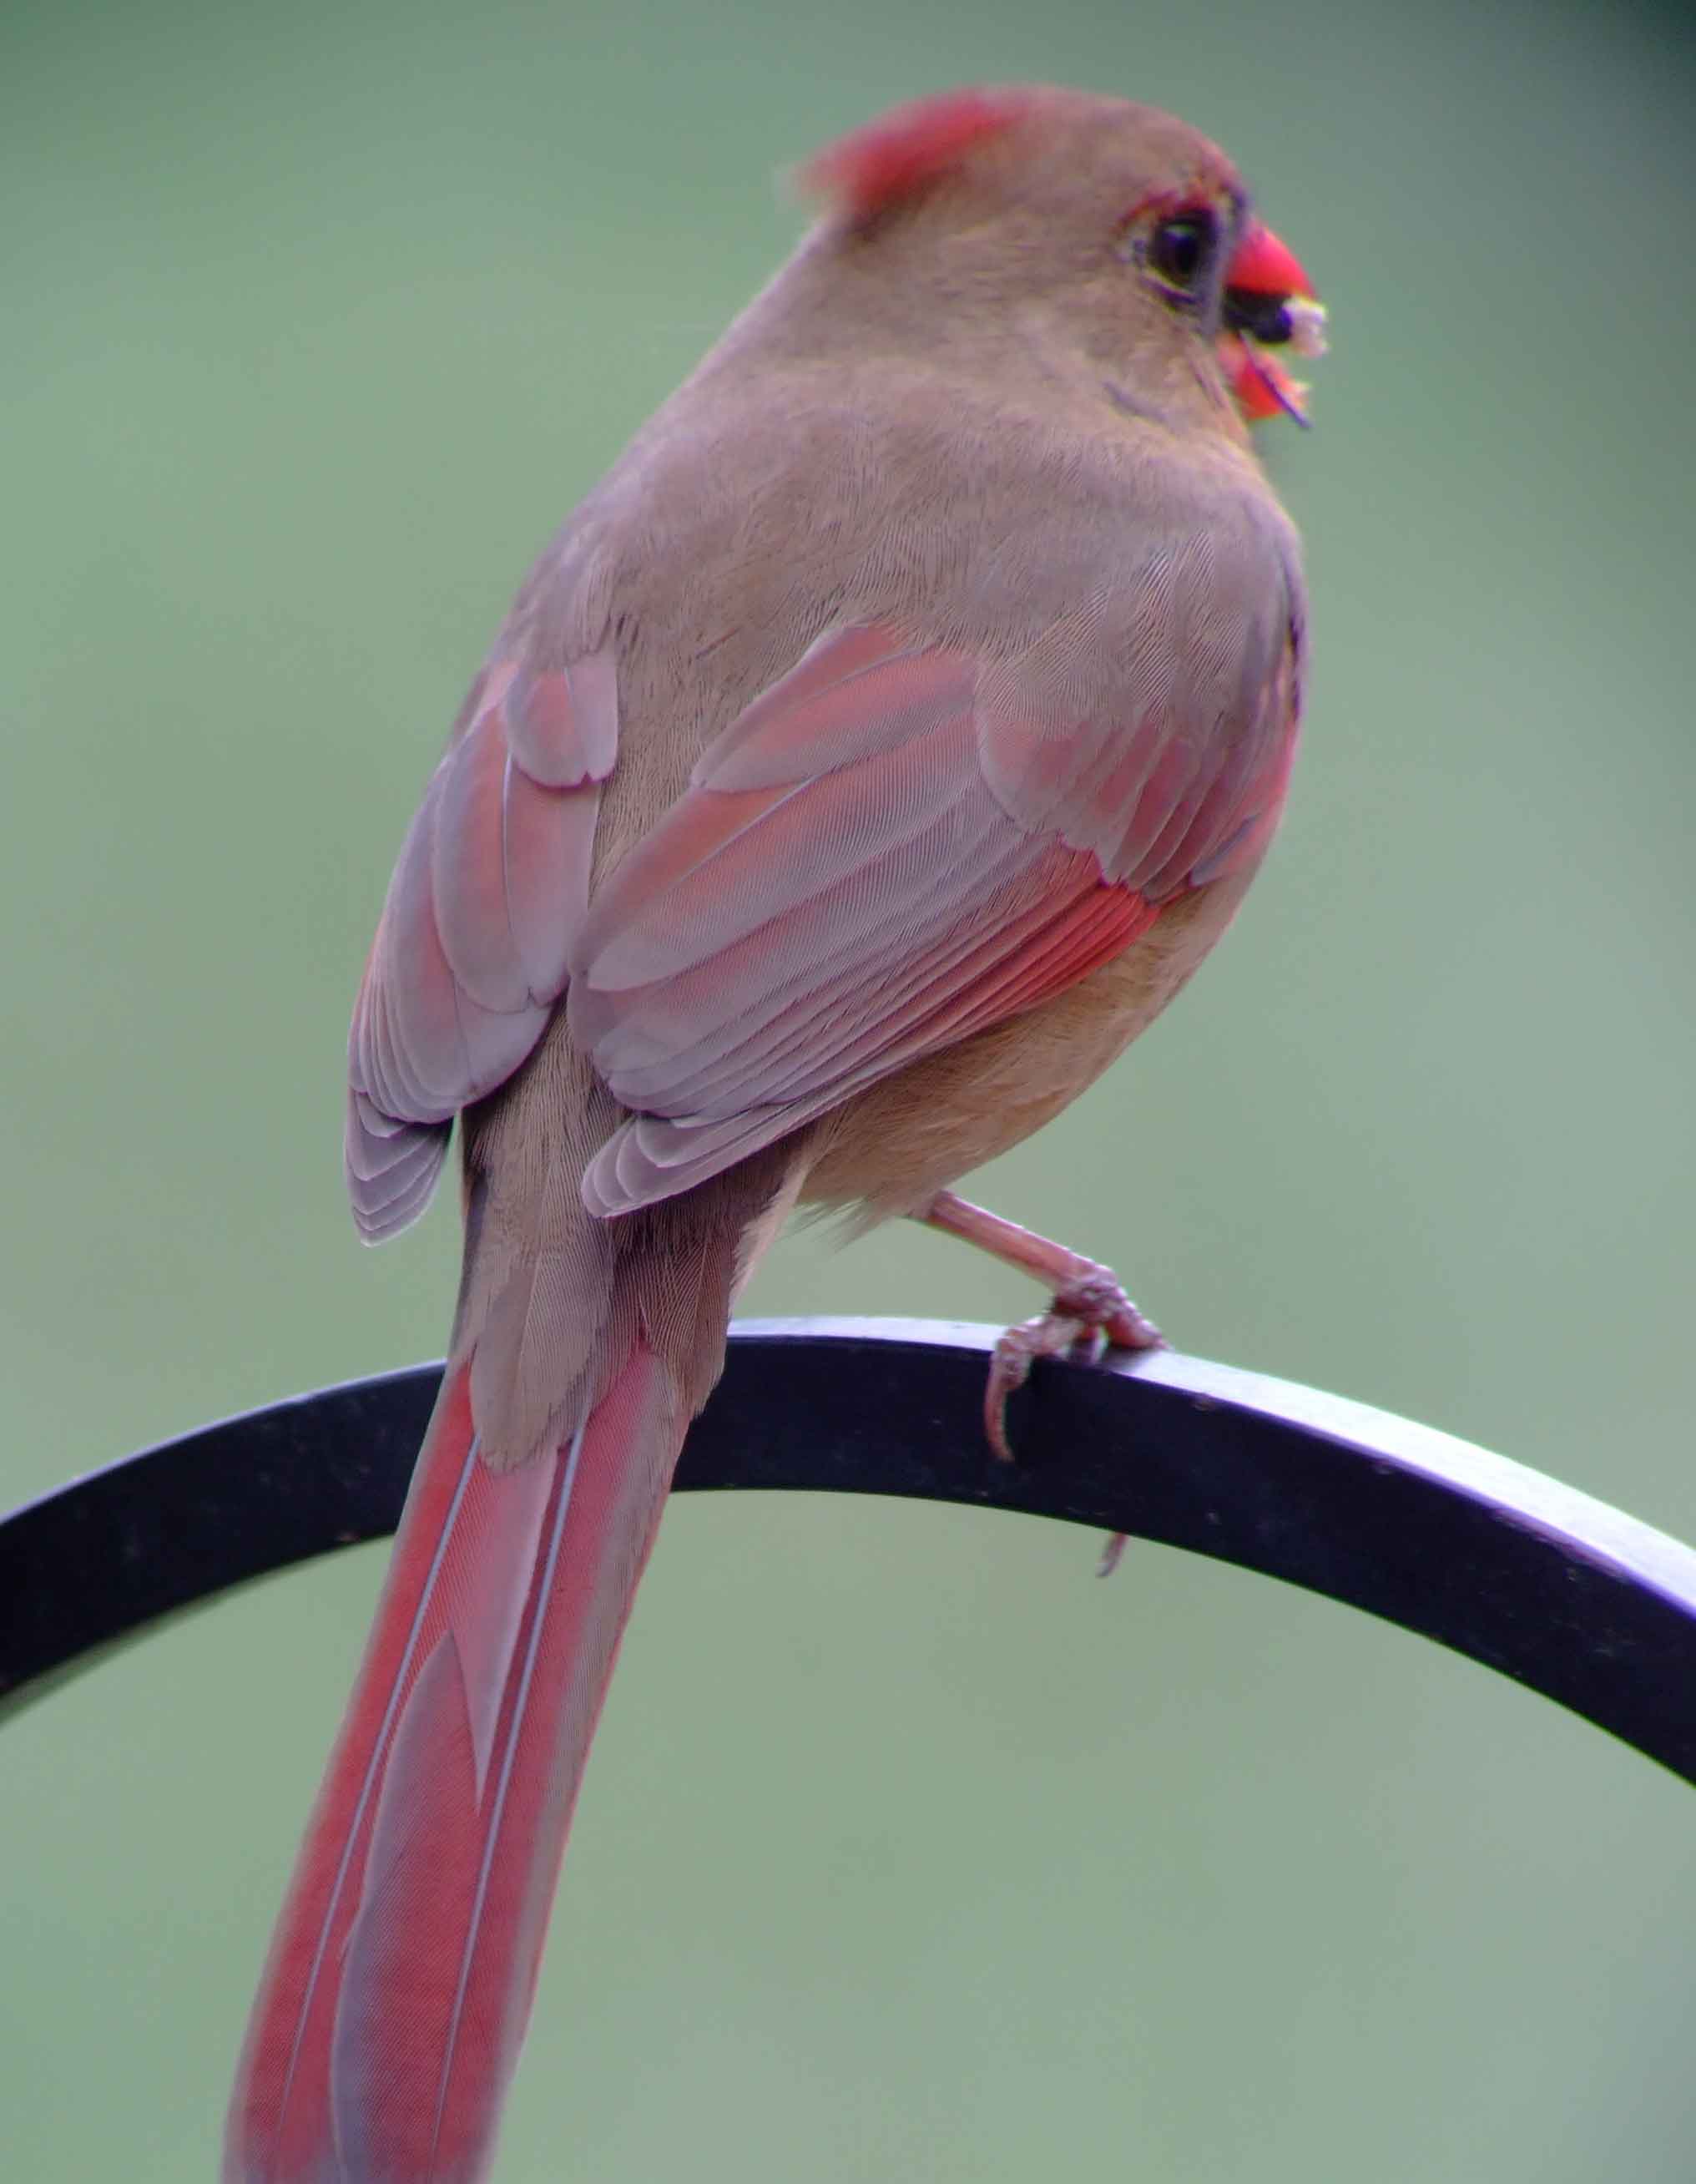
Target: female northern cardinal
(875, 752)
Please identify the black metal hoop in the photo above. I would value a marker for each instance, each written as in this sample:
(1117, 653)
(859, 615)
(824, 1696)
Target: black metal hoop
(1532, 1578)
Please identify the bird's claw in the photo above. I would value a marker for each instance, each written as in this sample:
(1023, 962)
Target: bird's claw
(1090, 1308)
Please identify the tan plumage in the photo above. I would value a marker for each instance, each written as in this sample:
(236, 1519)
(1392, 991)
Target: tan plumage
(874, 752)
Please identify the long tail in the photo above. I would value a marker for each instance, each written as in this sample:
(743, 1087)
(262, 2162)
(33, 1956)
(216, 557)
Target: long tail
(402, 1970)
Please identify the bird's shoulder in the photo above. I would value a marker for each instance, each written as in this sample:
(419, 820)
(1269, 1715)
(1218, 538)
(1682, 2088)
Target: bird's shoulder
(744, 521)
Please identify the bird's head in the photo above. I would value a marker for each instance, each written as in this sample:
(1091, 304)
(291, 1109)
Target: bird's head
(1132, 225)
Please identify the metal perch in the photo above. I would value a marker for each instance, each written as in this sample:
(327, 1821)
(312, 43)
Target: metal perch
(1532, 1578)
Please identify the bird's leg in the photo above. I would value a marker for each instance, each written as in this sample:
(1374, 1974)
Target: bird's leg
(1088, 1301)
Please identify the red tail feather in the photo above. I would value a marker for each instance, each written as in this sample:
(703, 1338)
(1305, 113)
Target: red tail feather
(402, 1970)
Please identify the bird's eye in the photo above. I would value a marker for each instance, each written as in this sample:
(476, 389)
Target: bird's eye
(1180, 251)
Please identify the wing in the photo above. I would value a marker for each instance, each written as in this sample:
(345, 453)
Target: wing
(470, 951)
(898, 844)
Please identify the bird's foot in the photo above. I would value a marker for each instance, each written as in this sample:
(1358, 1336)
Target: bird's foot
(1090, 1312)
(1089, 1305)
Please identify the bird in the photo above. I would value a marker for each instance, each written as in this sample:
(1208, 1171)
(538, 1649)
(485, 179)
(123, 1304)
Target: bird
(875, 750)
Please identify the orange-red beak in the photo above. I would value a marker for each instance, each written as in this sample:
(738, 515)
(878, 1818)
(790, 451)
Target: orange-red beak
(1269, 304)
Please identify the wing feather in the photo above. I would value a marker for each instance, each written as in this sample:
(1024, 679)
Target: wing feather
(471, 951)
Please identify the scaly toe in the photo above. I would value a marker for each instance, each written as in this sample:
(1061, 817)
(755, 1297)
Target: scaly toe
(1098, 1299)
(1009, 1369)
(1050, 1335)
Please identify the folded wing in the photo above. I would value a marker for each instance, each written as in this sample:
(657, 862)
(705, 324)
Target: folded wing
(898, 844)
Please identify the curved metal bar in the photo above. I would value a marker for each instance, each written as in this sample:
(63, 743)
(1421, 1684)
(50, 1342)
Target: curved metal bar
(1528, 1576)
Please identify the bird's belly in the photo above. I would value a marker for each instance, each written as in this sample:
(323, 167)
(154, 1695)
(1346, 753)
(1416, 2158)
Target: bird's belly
(890, 1149)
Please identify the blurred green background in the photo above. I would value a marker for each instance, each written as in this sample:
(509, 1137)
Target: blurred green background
(909, 1850)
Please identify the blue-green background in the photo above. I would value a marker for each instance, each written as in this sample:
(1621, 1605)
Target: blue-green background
(909, 1851)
